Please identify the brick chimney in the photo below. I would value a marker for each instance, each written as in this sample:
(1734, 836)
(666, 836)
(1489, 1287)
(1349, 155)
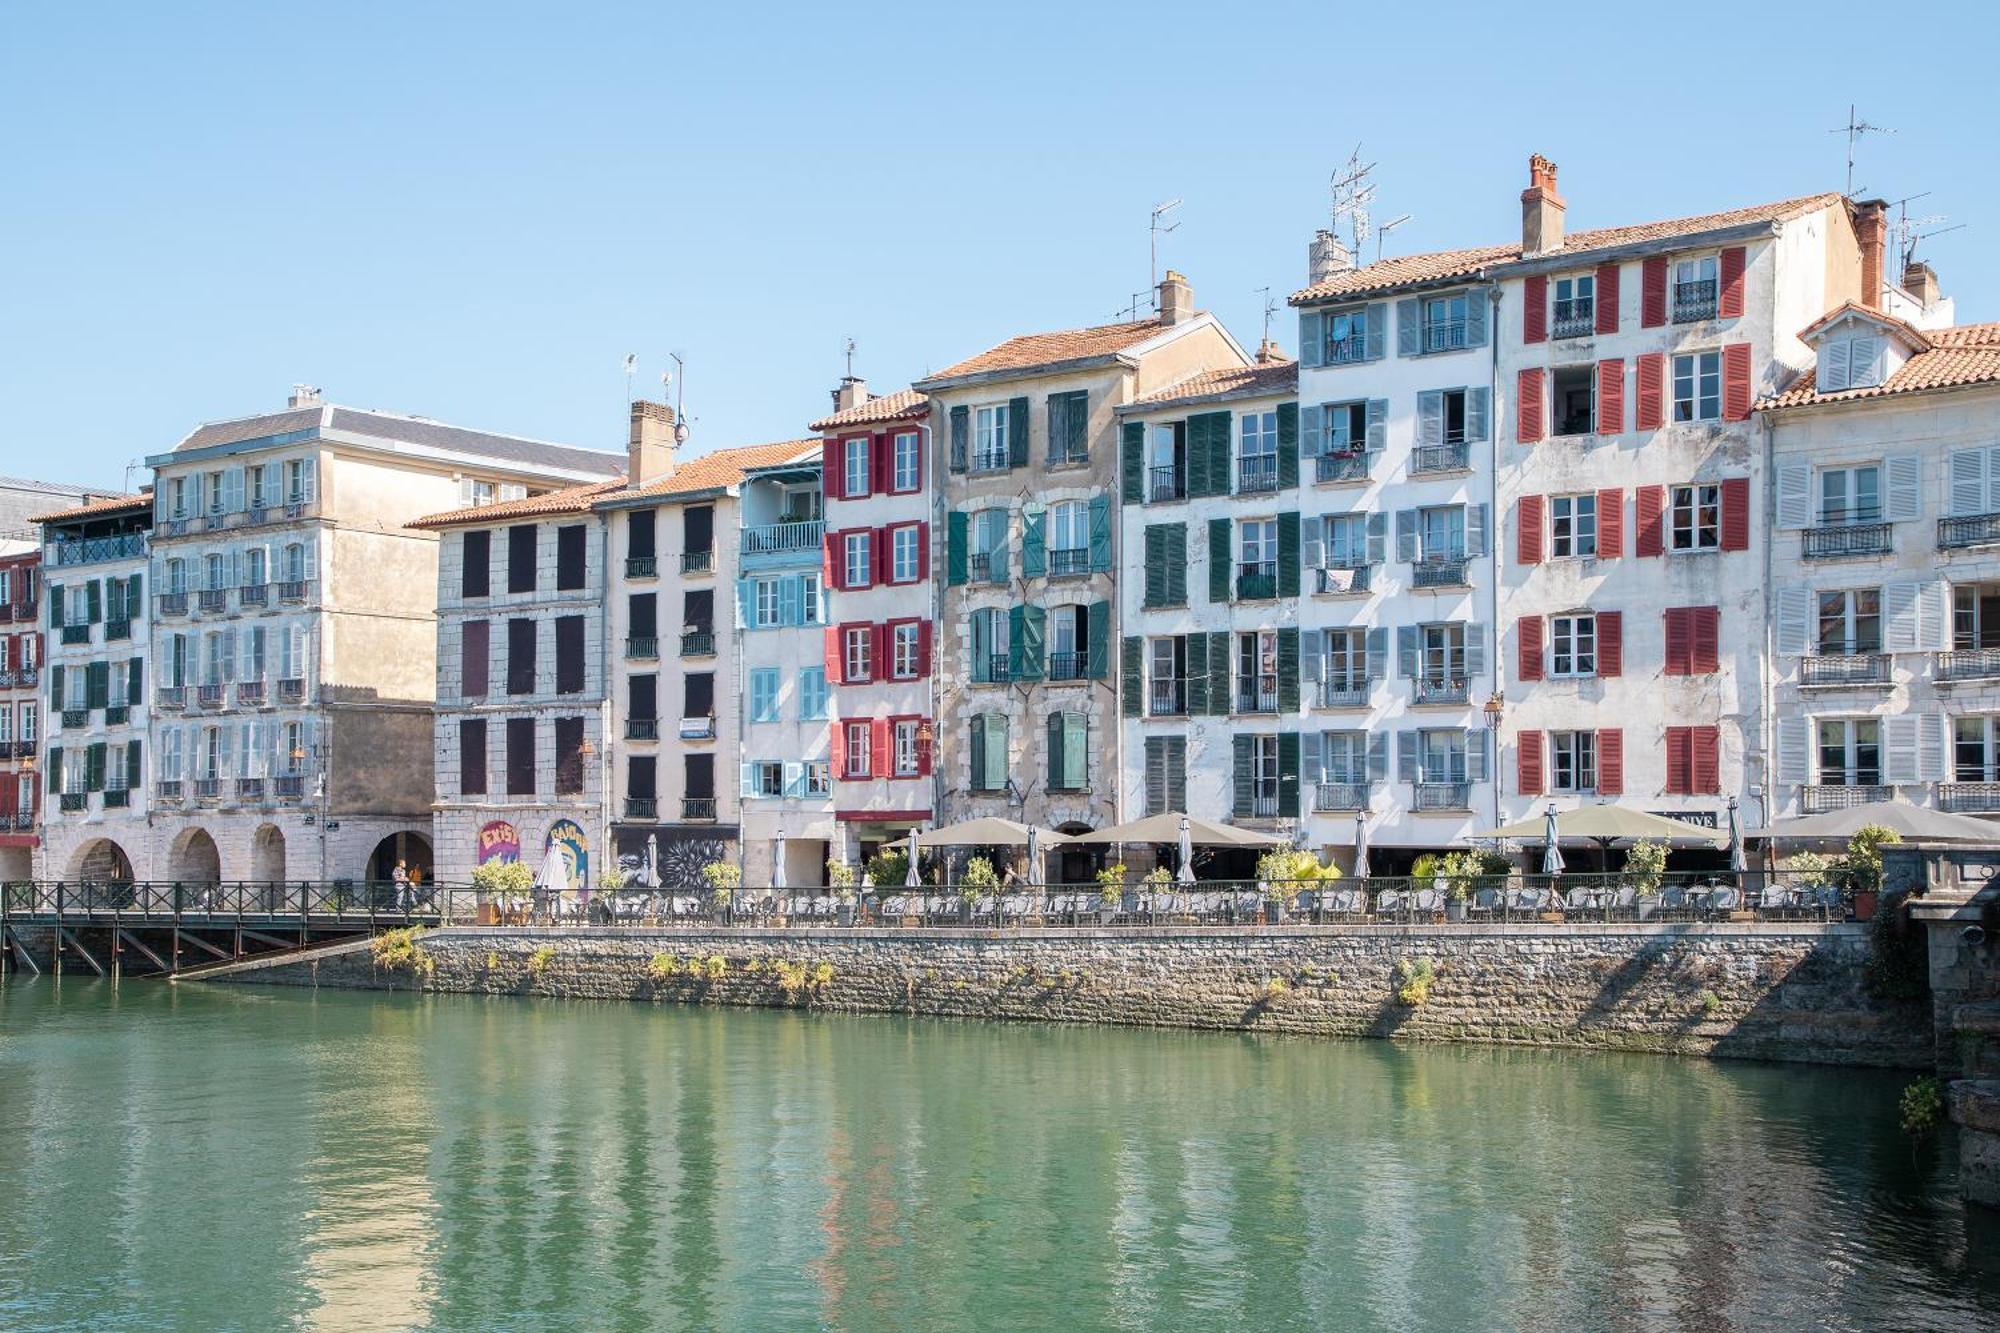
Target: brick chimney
(650, 454)
(1325, 257)
(1542, 210)
(1871, 228)
(1920, 281)
(1269, 354)
(1176, 299)
(852, 392)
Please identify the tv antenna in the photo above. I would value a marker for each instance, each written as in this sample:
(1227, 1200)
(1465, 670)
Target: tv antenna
(850, 358)
(1353, 190)
(1157, 228)
(631, 366)
(1382, 232)
(1854, 129)
(675, 381)
(1909, 231)
(1270, 309)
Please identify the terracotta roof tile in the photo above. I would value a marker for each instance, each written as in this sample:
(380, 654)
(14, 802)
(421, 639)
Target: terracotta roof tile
(1046, 349)
(569, 500)
(888, 407)
(114, 504)
(1444, 265)
(724, 467)
(1963, 355)
(1274, 377)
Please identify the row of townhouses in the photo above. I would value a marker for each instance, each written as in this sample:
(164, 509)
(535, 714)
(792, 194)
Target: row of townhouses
(1667, 514)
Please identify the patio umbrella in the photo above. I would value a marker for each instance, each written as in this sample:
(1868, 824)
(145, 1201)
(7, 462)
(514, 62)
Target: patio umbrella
(1168, 827)
(1034, 880)
(1552, 857)
(1360, 845)
(987, 832)
(650, 876)
(1185, 874)
(1912, 821)
(910, 880)
(1737, 865)
(553, 877)
(778, 860)
(1606, 824)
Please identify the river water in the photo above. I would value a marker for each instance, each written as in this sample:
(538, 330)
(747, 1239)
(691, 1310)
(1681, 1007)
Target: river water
(220, 1157)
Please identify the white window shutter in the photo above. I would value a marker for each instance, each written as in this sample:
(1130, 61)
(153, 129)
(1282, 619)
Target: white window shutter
(1903, 487)
(1795, 614)
(1832, 372)
(1794, 749)
(1934, 615)
(1933, 744)
(1992, 505)
(1899, 736)
(1864, 362)
(1795, 495)
(1968, 481)
(1900, 630)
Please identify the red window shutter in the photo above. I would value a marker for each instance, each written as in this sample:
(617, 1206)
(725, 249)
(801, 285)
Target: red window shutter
(1535, 309)
(1528, 763)
(1610, 524)
(832, 573)
(1611, 396)
(1677, 659)
(924, 556)
(884, 762)
(1704, 639)
(1729, 300)
(1704, 766)
(1736, 381)
(1652, 392)
(1610, 643)
(878, 554)
(836, 754)
(1610, 762)
(1736, 514)
(1607, 298)
(833, 659)
(878, 653)
(1528, 632)
(829, 466)
(1528, 410)
(1650, 504)
(924, 648)
(1653, 293)
(1677, 761)
(878, 458)
(1528, 540)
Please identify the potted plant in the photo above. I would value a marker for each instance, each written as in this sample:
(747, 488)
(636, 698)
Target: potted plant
(1645, 872)
(723, 878)
(1864, 867)
(1283, 874)
(1110, 892)
(840, 877)
(981, 880)
(500, 882)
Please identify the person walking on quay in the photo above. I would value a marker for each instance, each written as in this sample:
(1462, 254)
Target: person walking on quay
(401, 877)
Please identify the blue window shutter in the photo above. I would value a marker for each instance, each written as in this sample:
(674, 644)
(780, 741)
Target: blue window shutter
(1097, 641)
(1034, 543)
(1310, 663)
(1312, 431)
(1378, 425)
(1031, 643)
(1478, 414)
(745, 787)
(1378, 537)
(1378, 331)
(1378, 756)
(1430, 417)
(1475, 319)
(795, 778)
(1475, 530)
(1406, 651)
(1100, 532)
(1406, 535)
(745, 603)
(1477, 765)
(1406, 756)
(791, 601)
(1312, 763)
(1312, 346)
(996, 523)
(1378, 653)
(1475, 650)
(1409, 324)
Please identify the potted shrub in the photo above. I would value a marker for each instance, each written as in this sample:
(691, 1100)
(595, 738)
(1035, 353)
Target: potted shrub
(501, 882)
(1645, 872)
(723, 878)
(1110, 892)
(1457, 870)
(981, 880)
(1864, 867)
(840, 877)
(1158, 880)
(1283, 874)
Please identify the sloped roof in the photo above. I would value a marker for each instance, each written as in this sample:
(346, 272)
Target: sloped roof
(724, 467)
(1230, 381)
(888, 407)
(1962, 355)
(1444, 265)
(1909, 332)
(395, 427)
(1033, 350)
(569, 500)
(55, 488)
(113, 504)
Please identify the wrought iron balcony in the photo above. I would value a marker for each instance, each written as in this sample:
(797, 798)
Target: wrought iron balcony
(1165, 483)
(74, 800)
(1256, 474)
(253, 594)
(1439, 458)
(92, 550)
(1338, 579)
(74, 719)
(294, 590)
(1862, 668)
(1969, 798)
(1066, 666)
(698, 808)
(698, 643)
(212, 601)
(292, 690)
(249, 694)
(1341, 467)
(1069, 560)
(642, 566)
(642, 807)
(1444, 335)
(76, 634)
(1819, 798)
(208, 696)
(1346, 351)
(172, 696)
(999, 670)
(1258, 694)
(289, 786)
(642, 647)
(1834, 540)
(1968, 530)
(642, 728)
(116, 631)
(117, 715)
(1264, 805)
(1576, 317)
(1439, 690)
(1968, 664)
(783, 538)
(1166, 698)
(1434, 571)
(208, 789)
(1342, 692)
(1256, 580)
(697, 562)
(117, 798)
(1340, 796)
(1443, 796)
(167, 789)
(249, 789)
(1694, 300)
(989, 567)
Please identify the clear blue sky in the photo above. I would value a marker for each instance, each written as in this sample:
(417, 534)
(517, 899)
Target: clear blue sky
(474, 212)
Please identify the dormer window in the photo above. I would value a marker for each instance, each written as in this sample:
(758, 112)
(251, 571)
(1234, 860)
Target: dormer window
(1850, 361)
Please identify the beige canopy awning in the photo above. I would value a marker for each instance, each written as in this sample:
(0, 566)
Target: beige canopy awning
(1167, 828)
(1914, 822)
(1610, 823)
(988, 832)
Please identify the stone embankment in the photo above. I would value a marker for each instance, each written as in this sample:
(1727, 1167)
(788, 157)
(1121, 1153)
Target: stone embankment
(1749, 990)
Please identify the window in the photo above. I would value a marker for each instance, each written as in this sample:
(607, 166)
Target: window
(1069, 419)
(569, 654)
(989, 752)
(1166, 460)
(1262, 779)
(30, 712)
(1698, 386)
(903, 555)
(520, 656)
(177, 575)
(1573, 645)
(860, 749)
(1346, 428)
(989, 543)
(819, 778)
(212, 485)
(989, 645)
(569, 556)
(764, 611)
(857, 653)
(177, 496)
(1855, 362)
(216, 568)
(1257, 672)
(1975, 749)
(907, 453)
(6, 724)
(1069, 642)
(1575, 306)
(1573, 761)
(1850, 752)
(1850, 622)
(254, 573)
(1069, 752)
(1257, 570)
(904, 739)
(298, 480)
(1441, 653)
(1069, 537)
(1345, 543)
(854, 467)
(1441, 533)
(990, 438)
(1344, 757)
(521, 558)
(1441, 417)
(1574, 405)
(767, 778)
(1346, 334)
(1850, 495)
(857, 558)
(812, 694)
(475, 576)
(481, 492)
(1166, 774)
(809, 599)
(1445, 323)
(1344, 660)
(1696, 518)
(1441, 756)
(1572, 526)
(569, 756)
(1166, 676)
(764, 694)
(905, 656)
(1695, 289)
(520, 756)
(1257, 452)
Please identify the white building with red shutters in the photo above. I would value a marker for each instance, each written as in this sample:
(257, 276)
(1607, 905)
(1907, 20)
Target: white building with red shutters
(879, 648)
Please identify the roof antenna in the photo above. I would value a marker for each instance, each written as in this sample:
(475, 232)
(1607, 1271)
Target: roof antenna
(1854, 129)
(1353, 191)
(1909, 231)
(1155, 229)
(1382, 232)
(1270, 309)
(676, 382)
(850, 358)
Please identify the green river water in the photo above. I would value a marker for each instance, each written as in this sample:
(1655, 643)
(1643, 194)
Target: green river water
(220, 1157)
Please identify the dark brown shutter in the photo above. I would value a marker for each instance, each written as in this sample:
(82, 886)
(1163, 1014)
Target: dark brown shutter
(520, 656)
(472, 757)
(475, 579)
(521, 558)
(475, 645)
(569, 756)
(569, 556)
(569, 655)
(520, 756)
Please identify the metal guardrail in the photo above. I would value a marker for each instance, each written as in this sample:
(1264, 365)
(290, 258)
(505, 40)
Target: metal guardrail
(1844, 539)
(1968, 530)
(1341, 467)
(1968, 664)
(1866, 668)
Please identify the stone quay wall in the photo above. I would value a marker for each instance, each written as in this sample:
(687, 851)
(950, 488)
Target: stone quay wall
(1748, 990)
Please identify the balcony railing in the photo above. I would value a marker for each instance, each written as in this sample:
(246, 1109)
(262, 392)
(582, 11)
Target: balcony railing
(292, 690)
(1165, 483)
(1069, 560)
(1440, 690)
(998, 670)
(1257, 580)
(1256, 474)
(1264, 804)
(249, 694)
(1066, 666)
(92, 550)
(698, 643)
(1843, 539)
(172, 696)
(1968, 530)
(173, 603)
(75, 800)
(294, 590)
(1166, 698)
(1443, 796)
(74, 719)
(1340, 796)
(642, 728)
(1342, 692)
(642, 566)
(642, 647)
(1444, 335)
(208, 696)
(27, 677)
(697, 562)
(986, 569)
(253, 594)
(117, 715)
(1694, 300)
(1341, 467)
(76, 634)
(167, 789)
(1439, 458)
(1968, 664)
(249, 789)
(642, 807)
(1819, 799)
(117, 631)
(1258, 695)
(208, 789)
(1969, 798)
(1435, 571)
(289, 786)
(1864, 668)
(1576, 317)
(698, 808)
(781, 538)
(212, 601)
(117, 798)
(1339, 579)
(1346, 351)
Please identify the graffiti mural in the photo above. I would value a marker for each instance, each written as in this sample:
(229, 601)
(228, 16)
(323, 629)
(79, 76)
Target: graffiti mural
(499, 841)
(569, 837)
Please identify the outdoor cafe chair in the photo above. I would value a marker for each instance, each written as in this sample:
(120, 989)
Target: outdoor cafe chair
(1485, 903)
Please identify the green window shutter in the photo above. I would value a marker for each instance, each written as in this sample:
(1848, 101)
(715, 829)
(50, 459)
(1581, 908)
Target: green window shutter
(1288, 444)
(977, 753)
(1055, 749)
(1288, 775)
(93, 767)
(1132, 462)
(1221, 433)
(1197, 674)
(1194, 456)
(961, 434)
(1177, 566)
(56, 674)
(135, 682)
(132, 764)
(97, 685)
(1076, 749)
(1017, 432)
(1219, 556)
(996, 752)
(1100, 532)
(1218, 674)
(1034, 542)
(1132, 676)
(93, 601)
(1288, 553)
(135, 596)
(55, 606)
(1069, 416)
(1288, 670)
(1097, 651)
(1245, 776)
(1016, 627)
(55, 770)
(1156, 570)
(1034, 642)
(955, 545)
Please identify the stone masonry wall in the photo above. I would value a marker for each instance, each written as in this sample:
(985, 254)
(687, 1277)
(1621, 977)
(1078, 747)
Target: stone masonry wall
(1791, 992)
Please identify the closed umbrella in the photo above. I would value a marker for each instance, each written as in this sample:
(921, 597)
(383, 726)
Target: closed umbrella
(1552, 857)
(778, 861)
(910, 880)
(651, 874)
(1034, 880)
(553, 877)
(1360, 845)
(1185, 874)
(1737, 865)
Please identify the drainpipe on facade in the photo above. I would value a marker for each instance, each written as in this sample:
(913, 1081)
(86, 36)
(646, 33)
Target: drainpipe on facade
(1493, 524)
(1766, 684)
(606, 765)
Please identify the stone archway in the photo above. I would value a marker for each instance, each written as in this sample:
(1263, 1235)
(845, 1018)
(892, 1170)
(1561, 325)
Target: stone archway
(267, 855)
(411, 848)
(195, 859)
(99, 861)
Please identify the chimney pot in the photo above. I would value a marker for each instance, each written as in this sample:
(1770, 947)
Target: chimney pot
(1176, 299)
(852, 392)
(1542, 210)
(649, 455)
(303, 395)
(1325, 257)
(1920, 281)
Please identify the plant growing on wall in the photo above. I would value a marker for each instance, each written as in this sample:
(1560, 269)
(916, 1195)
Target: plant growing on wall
(661, 967)
(1646, 866)
(503, 879)
(1413, 981)
(715, 967)
(539, 960)
(398, 951)
(1920, 1110)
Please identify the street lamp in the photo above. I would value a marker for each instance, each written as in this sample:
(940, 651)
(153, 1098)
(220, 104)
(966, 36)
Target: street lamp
(1495, 705)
